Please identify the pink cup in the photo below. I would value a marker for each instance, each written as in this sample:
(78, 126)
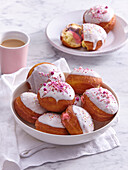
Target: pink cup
(13, 58)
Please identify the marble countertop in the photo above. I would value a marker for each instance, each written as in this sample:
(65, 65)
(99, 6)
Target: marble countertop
(32, 17)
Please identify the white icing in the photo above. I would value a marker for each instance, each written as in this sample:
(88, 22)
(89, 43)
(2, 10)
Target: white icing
(51, 119)
(94, 33)
(41, 74)
(86, 72)
(103, 99)
(30, 100)
(99, 14)
(57, 90)
(77, 100)
(84, 119)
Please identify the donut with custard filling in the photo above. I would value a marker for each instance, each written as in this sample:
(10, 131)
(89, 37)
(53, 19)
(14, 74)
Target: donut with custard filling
(71, 36)
(100, 15)
(42, 73)
(77, 120)
(100, 103)
(50, 123)
(55, 96)
(81, 79)
(27, 107)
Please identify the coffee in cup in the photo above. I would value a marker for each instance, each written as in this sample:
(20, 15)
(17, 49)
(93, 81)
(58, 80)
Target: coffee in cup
(13, 51)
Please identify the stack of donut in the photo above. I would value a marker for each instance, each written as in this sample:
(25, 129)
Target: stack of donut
(65, 107)
(92, 34)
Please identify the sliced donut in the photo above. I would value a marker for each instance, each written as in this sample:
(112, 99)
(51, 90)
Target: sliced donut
(94, 36)
(71, 36)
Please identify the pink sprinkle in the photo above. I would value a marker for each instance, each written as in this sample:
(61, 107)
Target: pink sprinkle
(52, 72)
(98, 97)
(104, 12)
(77, 98)
(108, 102)
(98, 11)
(106, 7)
(45, 89)
(44, 84)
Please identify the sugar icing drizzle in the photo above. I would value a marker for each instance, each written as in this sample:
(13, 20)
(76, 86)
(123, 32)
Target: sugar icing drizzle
(93, 33)
(98, 14)
(43, 73)
(30, 100)
(103, 99)
(87, 72)
(51, 119)
(84, 119)
(58, 90)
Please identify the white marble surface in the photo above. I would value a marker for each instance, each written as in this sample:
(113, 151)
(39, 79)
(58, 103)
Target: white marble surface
(32, 16)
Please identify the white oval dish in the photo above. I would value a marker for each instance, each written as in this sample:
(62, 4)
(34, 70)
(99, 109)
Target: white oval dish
(100, 127)
(115, 39)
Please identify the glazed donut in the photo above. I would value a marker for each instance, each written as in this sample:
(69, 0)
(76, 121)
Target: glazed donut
(28, 107)
(50, 123)
(77, 120)
(81, 79)
(100, 103)
(55, 96)
(71, 36)
(94, 36)
(41, 73)
(100, 15)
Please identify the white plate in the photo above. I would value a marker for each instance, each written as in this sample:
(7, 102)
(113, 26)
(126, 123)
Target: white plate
(100, 127)
(115, 39)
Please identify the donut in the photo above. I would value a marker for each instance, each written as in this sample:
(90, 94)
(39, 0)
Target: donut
(100, 103)
(28, 107)
(50, 123)
(77, 120)
(55, 96)
(41, 73)
(100, 15)
(71, 36)
(94, 36)
(81, 79)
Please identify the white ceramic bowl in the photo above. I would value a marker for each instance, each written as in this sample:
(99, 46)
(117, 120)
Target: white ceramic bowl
(100, 127)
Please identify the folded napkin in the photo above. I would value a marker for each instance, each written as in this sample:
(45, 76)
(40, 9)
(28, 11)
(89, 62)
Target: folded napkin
(18, 150)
